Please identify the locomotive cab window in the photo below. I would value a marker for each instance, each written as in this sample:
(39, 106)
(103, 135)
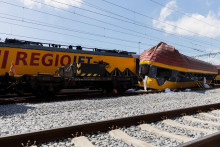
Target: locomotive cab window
(163, 72)
(144, 69)
(163, 75)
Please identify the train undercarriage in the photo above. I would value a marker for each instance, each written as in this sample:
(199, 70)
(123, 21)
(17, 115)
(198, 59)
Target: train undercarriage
(73, 76)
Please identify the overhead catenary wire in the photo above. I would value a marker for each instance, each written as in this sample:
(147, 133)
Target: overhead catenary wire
(181, 12)
(75, 35)
(78, 31)
(123, 16)
(182, 46)
(149, 17)
(82, 22)
(141, 25)
(209, 54)
(53, 41)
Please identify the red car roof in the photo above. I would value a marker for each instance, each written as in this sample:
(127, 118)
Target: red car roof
(166, 54)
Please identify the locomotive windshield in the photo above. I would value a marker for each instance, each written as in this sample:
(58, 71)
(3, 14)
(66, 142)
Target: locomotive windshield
(144, 69)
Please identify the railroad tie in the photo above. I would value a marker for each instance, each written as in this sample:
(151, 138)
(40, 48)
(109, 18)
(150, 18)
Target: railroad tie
(156, 131)
(209, 116)
(175, 124)
(216, 111)
(81, 141)
(190, 118)
(118, 134)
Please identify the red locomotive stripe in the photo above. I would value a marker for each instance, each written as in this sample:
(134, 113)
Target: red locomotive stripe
(57, 60)
(5, 58)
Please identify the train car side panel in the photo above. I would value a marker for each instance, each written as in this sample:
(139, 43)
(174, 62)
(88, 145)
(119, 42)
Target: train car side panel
(30, 61)
(152, 83)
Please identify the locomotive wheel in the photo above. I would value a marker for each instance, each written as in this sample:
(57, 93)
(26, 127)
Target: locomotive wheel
(44, 91)
(109, 89)
(121, 90)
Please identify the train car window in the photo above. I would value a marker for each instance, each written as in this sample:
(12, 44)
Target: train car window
(218, 71)
(152, 71)
(137, 66)
(209, 77)
(174, 76)
(196, 77)
(163, 72)
(182, 76)
(144, 70)
(187, 76)
(163, 75)
(201, 77)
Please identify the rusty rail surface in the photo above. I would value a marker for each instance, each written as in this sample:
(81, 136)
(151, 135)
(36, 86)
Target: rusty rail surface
(65, 132)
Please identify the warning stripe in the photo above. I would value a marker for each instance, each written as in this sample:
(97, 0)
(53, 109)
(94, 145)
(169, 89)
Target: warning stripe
(87, 75)
(78, 71)
(78, 65)
(83, 74)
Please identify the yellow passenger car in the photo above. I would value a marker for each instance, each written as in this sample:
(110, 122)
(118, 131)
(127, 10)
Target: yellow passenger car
(217, 78)
(164, 67)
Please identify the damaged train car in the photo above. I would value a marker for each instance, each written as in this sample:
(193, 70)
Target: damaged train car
(164, 67)
(217, 78)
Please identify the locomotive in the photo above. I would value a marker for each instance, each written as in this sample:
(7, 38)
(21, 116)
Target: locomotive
(36, 68)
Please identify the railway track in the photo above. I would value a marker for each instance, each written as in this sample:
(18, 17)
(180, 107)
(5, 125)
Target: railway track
(66, 95)
(73, 95)
(118, 130)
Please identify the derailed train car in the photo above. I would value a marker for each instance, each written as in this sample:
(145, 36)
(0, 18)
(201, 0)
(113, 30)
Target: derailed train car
(217, 78)
(165, 68)
(36, 67)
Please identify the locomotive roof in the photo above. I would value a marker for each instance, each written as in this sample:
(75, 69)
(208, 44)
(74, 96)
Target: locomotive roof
(14, 43)
(166, 54)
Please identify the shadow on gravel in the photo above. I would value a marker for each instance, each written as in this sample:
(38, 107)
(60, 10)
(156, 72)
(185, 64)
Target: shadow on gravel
(201, 91)
(14, 109)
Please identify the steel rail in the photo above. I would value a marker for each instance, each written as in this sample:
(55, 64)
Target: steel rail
(67, 96)
(76, 95)
(212, 140)
(65, 132)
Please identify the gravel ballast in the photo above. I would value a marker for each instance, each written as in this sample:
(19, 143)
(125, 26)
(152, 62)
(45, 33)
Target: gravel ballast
(23, 118)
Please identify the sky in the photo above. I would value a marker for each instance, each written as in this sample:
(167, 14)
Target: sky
(192, 27)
